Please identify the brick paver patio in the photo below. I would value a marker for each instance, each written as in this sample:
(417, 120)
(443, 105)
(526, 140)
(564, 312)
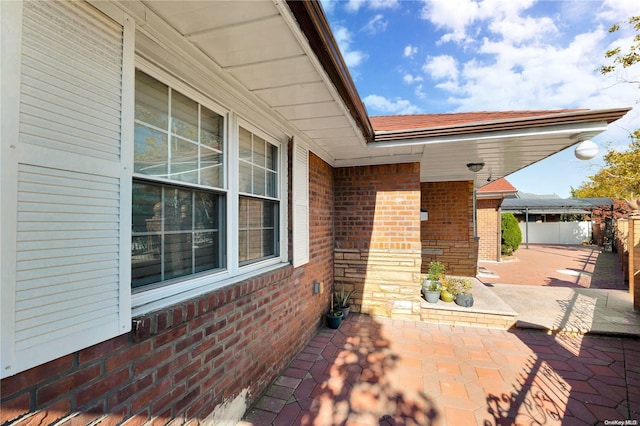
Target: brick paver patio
(377, 371)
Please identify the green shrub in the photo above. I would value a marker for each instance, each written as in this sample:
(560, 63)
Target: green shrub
(511, 234)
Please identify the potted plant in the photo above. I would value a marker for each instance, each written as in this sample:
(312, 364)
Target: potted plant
(461, 288)
(446, 294)
(431, 290)
(334, 316)
(341, 301)
(436, 271)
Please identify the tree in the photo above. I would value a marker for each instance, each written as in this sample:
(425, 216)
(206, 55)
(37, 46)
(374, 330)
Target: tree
(511, 234)
(628, 59)
(620, 176)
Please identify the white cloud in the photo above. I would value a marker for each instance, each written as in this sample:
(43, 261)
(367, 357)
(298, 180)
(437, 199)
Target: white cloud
(616, 10)
(355, 5)
(410, 51)
(441, 67)
(456, 16)
(352, 58)
(381, 105)
(377, 24)
(410, 79)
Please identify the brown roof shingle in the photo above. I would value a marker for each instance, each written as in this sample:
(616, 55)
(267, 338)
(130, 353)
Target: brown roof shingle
(498, 185)
(424, 121)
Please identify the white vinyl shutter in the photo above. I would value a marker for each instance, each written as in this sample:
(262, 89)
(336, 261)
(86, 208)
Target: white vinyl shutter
(300, 205)
(70, 282)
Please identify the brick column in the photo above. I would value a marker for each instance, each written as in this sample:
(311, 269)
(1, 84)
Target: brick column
(377, 228)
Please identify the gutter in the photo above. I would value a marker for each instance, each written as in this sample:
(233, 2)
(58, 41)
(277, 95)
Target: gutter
(509, 125)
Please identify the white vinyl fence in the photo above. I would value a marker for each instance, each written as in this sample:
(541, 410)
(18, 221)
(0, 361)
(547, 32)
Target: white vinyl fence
(556, 232)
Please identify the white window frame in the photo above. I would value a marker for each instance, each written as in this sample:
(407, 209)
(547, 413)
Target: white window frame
(165, 293)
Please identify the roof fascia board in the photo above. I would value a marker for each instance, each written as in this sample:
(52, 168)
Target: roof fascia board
(605, 116)
(314, 25)
(573, 128)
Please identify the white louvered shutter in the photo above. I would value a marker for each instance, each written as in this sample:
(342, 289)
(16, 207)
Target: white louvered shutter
(70, 286)
(300, 205)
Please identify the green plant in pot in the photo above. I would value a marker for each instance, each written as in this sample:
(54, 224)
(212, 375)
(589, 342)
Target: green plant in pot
(334, 316)
(436, 271)
(431, 290)
(341, 301)
(461, 288)
(446, 293)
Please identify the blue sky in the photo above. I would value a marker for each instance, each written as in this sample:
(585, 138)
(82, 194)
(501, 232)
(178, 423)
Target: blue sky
(445, 56)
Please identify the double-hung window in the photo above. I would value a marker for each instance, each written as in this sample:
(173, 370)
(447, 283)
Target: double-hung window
(179, 195)
(181, 198)
(258, 205)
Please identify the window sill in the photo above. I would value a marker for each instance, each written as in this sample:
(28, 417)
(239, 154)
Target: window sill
(156, 299)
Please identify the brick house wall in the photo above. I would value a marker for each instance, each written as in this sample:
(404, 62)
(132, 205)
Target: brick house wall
(448, 235)
(190, 361)
(488, 228)
(377, 234)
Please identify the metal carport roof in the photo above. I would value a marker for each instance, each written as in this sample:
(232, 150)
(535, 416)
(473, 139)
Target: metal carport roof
(554, 205)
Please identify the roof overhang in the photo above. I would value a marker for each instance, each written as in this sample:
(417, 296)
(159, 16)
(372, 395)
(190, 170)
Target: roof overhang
(282, 57)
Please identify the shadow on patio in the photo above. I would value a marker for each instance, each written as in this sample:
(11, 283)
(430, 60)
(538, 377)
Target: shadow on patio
(349, 376)
(570, 378)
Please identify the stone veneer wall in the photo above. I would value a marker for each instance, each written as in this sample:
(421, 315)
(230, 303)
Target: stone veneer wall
(448, 234)
(377, 230)
(489, 233)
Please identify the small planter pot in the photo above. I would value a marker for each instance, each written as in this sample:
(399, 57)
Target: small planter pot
(431, 296)
(465, 300)
(345, 312)
(334, 319)
(445, 296)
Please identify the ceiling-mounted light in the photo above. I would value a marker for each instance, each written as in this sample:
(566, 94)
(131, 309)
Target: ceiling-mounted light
(475, 167)
(586, 150)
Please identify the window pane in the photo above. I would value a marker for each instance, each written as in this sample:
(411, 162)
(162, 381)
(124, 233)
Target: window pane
(206, 251)
(184, 161)
(184, 116)
(259, 183)
(211, 168)
(259, 155)
(152, 101)
(146, 245)
(207, 211)
(268, 237)
(243, 246)
(272, 157)
(176, 232)
(245, 145)
(257, 231)
(150, 152)
(245, 177)
(211, 130)
(272, 184)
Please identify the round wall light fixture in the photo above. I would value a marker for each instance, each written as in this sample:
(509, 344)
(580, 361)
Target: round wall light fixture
(586, 150)
(475, 167)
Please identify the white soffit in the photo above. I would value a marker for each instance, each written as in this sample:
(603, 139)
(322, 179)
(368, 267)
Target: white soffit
(260, 48)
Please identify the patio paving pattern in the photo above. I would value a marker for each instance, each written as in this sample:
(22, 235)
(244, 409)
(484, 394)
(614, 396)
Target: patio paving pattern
(380, 371)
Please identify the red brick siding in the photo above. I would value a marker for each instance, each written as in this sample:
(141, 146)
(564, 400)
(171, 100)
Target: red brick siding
(488, 217)
(184, 361)
(448, 234)
(377, 222)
